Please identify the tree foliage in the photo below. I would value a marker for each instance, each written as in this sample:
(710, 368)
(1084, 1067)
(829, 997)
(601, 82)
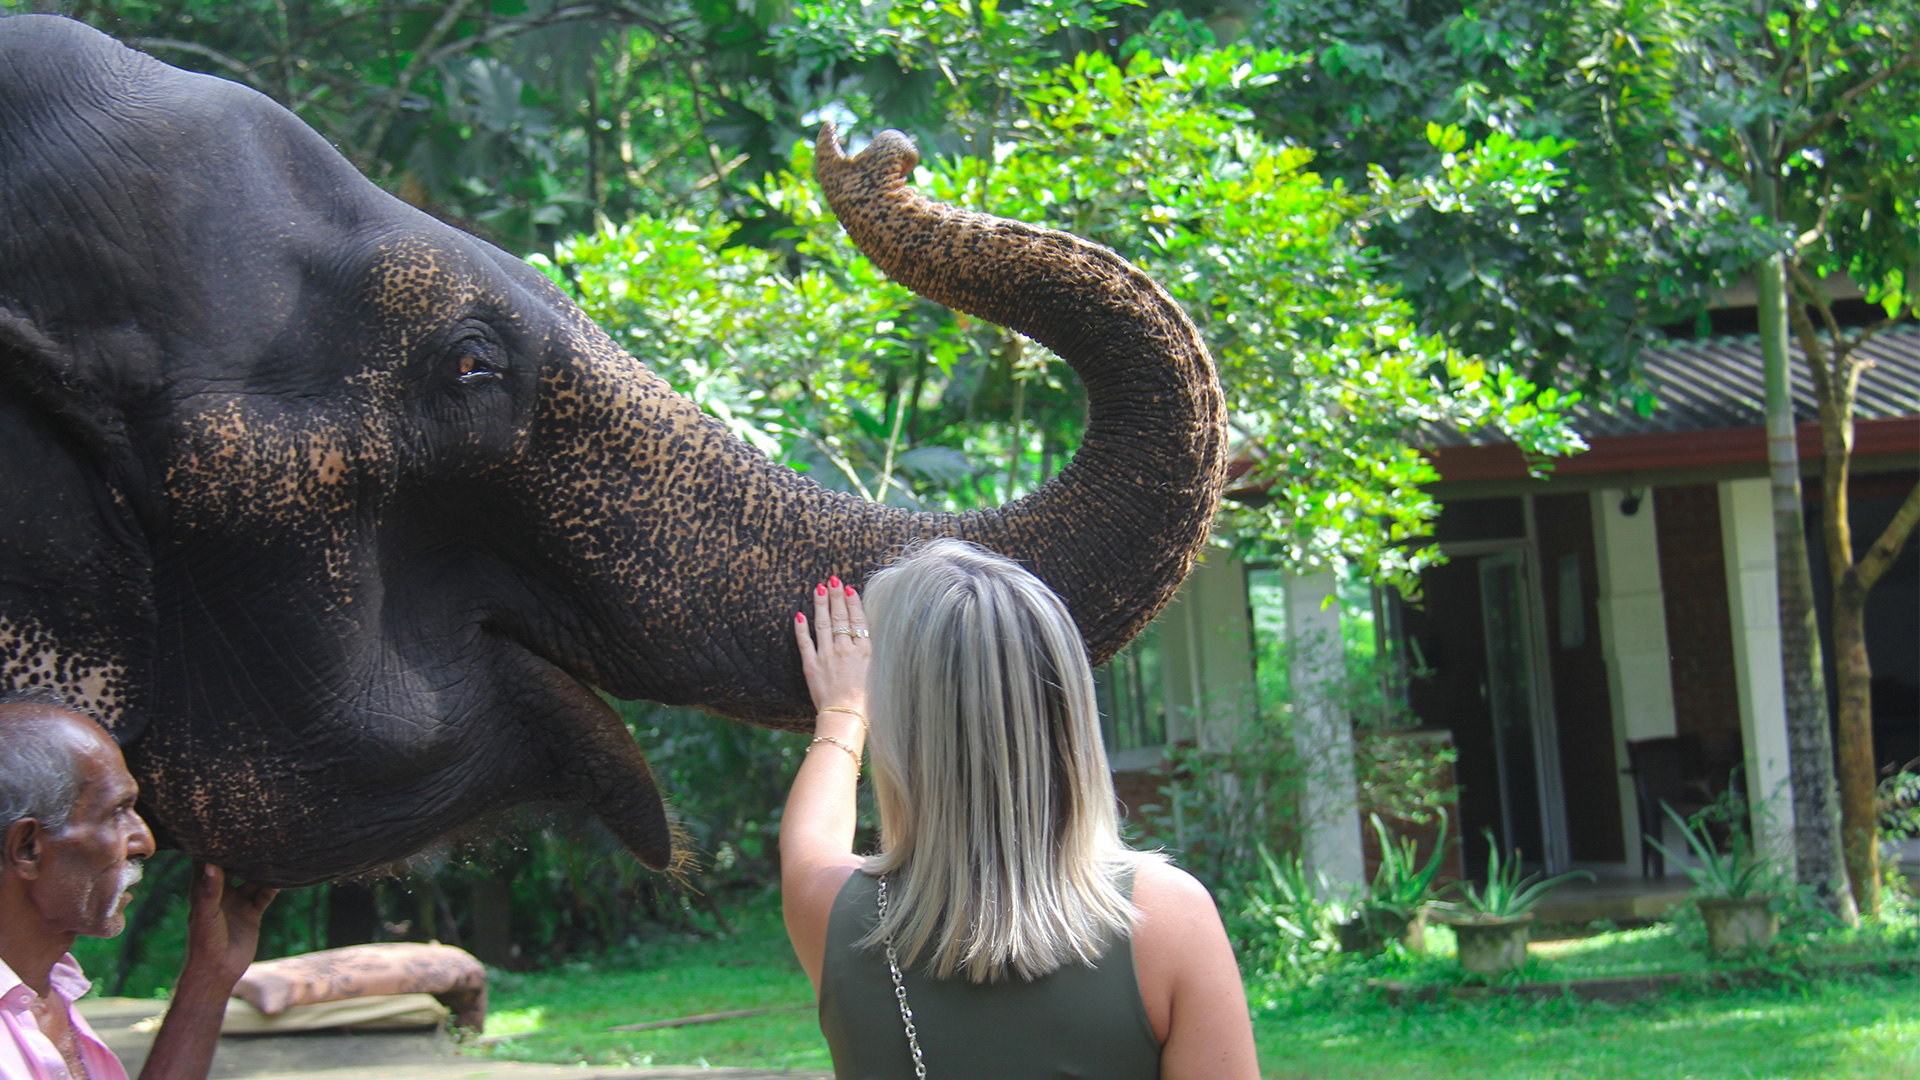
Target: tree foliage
(1704, 141)
(660, 144)
(1326, 371)
(1636, 236)
(1812, 107)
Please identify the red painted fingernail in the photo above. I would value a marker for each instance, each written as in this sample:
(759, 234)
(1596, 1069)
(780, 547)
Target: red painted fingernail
(797, 617)
(834, 581)
(849, 590)
(819, 590)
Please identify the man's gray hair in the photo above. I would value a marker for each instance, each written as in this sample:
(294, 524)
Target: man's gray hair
(39, 767)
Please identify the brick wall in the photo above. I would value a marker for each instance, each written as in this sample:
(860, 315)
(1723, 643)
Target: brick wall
(1423, 835)
(1136, 788)
(1693, 578)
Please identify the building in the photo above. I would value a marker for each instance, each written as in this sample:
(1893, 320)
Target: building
(1622, 604)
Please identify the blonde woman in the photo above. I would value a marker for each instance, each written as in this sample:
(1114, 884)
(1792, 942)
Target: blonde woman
(1003, 931)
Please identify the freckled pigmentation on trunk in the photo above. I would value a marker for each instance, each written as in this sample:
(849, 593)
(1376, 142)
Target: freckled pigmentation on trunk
(1114, 533)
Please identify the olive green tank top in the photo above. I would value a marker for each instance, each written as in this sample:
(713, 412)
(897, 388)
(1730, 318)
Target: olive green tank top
(1074, 1022)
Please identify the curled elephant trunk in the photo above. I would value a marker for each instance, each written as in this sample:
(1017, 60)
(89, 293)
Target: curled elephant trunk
(1114, 533)
(1118, 529)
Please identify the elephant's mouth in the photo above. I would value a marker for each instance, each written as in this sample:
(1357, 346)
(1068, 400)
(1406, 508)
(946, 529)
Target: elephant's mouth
(538, 733)
(590, 755)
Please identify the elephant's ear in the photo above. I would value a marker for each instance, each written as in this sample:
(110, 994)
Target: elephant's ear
(77, 613)
(36, 367)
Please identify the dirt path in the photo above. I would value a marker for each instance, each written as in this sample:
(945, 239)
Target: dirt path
(384, 1055)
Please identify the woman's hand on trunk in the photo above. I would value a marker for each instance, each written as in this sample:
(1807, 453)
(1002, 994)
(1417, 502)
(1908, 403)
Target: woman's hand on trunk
(834, 650)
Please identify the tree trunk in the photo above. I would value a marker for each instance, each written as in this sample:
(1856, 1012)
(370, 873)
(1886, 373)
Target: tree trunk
(1815, 801)
(1859, 822)
(1833, 386)
(1835, 382)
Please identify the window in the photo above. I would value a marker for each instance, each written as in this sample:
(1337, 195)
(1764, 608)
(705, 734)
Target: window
(1133, 702)
(1573, 615)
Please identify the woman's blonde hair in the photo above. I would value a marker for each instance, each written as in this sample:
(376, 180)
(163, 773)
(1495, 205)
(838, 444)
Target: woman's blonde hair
(997, 822)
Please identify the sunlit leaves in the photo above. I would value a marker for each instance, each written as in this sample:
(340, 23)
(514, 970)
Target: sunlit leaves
(825, 364)
(1327, 373)
(813, 367)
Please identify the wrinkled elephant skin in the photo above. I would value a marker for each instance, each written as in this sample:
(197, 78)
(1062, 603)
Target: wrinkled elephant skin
(334, 514)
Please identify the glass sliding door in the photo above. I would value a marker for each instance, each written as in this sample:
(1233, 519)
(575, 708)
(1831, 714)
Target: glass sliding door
(1523, 744)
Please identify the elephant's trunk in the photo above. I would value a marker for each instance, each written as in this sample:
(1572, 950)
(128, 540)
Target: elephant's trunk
(720, 546)
(1118, 529)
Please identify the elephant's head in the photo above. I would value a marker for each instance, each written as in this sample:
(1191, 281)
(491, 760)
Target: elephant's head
(335, 514)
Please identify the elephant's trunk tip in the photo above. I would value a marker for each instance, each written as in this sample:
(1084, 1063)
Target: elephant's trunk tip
(886, 163)
(826, 145)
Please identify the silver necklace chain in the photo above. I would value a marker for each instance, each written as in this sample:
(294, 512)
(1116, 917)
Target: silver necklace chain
(900, 994)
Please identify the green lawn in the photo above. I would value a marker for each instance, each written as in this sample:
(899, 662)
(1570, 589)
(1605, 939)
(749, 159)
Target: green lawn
(1856, 1028)
(564, 1013)
(1841, 1028)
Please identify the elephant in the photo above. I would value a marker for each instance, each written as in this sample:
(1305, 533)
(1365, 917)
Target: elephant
(343, 520)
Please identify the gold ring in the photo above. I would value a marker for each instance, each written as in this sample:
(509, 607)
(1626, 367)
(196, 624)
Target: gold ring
(844, 630)
(863, 633)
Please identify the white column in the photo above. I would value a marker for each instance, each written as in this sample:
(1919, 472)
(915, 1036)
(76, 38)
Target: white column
(1179, 664)
(1753, 602)
(1207, 654)
(1633, 615)
(1322, 731)
(1633, 637)
(1223, 641)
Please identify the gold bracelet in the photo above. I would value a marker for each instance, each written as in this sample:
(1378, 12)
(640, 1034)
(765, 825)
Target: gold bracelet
(855, 713)
(851, 752)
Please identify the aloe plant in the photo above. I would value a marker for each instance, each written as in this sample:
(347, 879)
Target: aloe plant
(1295, 912)
(1402, 884)
(1509, 895)
(1734, 873)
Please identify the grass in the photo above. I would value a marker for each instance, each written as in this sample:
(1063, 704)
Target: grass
(1336, 1029)
(562, 1015)
(1678, 946)
(1835, 1030)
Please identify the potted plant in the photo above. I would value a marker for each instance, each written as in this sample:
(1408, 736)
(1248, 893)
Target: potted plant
(1493, 926)
(1395, 907)
(1732, 888)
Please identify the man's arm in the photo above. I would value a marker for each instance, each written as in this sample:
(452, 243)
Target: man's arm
(223, 929)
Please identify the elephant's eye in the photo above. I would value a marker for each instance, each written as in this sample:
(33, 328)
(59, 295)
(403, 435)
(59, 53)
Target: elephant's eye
(472, 366)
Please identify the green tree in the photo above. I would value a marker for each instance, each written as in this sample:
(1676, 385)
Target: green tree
(1569, 289)
(519, 119)
(1812, 107)
(1708, 140)
(1324, 366)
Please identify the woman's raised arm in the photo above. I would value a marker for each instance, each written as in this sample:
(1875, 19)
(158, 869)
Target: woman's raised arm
(816, 831)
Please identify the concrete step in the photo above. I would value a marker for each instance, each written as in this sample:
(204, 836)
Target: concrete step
(1582, 902)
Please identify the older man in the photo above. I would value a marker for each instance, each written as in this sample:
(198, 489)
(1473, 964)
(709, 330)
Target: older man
(72, 848)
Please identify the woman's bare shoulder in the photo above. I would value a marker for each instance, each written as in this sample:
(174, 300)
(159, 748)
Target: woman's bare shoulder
(1181, 953)
(1163, 891)
(1177, 919)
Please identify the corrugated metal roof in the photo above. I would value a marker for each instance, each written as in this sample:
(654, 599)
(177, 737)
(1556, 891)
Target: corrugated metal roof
(1718, 383)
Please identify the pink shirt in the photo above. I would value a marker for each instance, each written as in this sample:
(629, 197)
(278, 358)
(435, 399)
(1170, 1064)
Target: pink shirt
(26, 1053)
